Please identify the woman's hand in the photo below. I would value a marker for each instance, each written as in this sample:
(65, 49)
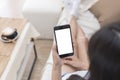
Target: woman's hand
(75, 61)
(57, 61)
(57, 64)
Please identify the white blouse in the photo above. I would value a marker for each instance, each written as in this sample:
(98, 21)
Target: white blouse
(80, 73)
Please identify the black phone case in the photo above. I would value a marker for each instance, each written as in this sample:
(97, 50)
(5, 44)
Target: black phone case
(63, 27)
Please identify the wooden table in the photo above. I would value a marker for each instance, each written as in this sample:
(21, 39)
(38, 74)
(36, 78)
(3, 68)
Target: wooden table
(7, 48)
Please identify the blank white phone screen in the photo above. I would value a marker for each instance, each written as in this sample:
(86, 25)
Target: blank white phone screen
(64, 42)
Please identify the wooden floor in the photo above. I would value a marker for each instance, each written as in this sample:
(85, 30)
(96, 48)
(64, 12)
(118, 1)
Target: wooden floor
(43, 49)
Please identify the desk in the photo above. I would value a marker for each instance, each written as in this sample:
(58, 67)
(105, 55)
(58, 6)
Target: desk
(12, 54)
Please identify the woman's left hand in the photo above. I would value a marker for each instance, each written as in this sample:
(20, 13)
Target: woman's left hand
(57, 61)
(57, 64)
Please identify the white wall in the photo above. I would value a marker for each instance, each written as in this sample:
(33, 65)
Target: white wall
(11, 8)
(43, 14)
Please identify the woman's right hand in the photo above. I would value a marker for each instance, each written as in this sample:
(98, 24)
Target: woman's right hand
(74, 60)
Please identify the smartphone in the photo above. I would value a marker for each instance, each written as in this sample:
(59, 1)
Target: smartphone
(63, 40)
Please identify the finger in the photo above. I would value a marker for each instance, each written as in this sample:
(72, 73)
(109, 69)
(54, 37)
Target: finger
(69, 58)
(54, 46)
(54, 51)
(68, 62)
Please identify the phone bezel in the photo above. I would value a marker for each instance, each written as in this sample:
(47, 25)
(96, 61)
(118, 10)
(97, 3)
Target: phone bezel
(59, 28)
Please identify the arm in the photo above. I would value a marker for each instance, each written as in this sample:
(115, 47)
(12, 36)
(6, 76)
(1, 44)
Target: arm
(83, 52)
(79, 61)
(57, 64)
(56, 73)
(80, 42)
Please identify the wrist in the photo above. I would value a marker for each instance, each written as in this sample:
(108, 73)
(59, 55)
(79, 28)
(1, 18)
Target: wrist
(56, 72)
(57, 66)
(57, 63)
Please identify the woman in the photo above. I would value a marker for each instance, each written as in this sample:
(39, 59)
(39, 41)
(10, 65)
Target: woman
(101, 57)
(104, 56)
(72, 8)
(78, 38)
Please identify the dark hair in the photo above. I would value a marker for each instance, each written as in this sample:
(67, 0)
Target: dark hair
(104, 54)
(75, 77)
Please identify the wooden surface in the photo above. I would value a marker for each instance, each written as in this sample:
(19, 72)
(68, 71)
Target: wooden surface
(7, 48)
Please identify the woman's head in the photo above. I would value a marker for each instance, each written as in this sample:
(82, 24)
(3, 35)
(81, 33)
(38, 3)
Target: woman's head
(104, 54)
